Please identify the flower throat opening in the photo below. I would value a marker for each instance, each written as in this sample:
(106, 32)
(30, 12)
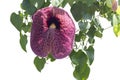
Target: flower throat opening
(53, 22)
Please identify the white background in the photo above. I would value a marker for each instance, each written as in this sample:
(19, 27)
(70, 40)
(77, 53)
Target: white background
(15, 64)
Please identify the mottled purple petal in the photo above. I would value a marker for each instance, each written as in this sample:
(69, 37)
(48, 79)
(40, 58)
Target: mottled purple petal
(52, 33)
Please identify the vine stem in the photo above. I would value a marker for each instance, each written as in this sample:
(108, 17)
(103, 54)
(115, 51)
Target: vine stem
(107, 28)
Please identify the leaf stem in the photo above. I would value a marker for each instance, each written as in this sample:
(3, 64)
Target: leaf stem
(107, 28)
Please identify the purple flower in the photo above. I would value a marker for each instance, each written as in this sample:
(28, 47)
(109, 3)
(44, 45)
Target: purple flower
(52, 33)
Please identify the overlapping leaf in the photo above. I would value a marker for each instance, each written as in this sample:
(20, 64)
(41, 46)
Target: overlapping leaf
(81, 72)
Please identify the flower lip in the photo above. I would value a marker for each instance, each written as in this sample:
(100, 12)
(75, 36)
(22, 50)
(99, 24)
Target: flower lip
(53, 20)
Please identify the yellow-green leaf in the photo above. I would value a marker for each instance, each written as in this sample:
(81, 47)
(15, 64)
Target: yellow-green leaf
(109, 3)
(116, 30)
(118, 10)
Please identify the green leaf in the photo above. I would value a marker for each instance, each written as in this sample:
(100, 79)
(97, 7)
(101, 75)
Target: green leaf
(91, 41)
(81, 72)
(98, 34)
(29, 26)
(71, 2)
(81, 10)
(109, 3)
(119, 2)
(39, 63)
(64, 3)
(38, 3)
(118, 16)
(84, 26)
(77, 37)
(76, 11)
(116, 25)
(23, 41)
(26, 28)
(98, 28)
(91, 32)
(51, 58)
(80, 36)
(90, 53)
(47, 3)
(88, 2)
(16, 20)
(56, 2)
(78, 57)
(29, 7)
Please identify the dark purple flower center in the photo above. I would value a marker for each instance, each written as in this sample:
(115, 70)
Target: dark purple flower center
(53, 20)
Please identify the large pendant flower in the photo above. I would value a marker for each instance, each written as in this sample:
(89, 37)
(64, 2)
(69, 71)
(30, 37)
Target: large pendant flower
(52, 33)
